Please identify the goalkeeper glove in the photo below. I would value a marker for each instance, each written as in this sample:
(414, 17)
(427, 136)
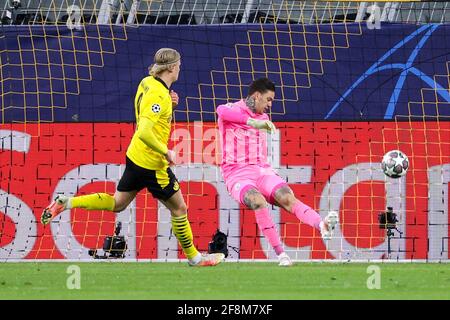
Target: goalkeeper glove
(261, 124)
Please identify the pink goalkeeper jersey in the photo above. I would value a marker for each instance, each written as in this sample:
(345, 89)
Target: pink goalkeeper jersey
(242, 145)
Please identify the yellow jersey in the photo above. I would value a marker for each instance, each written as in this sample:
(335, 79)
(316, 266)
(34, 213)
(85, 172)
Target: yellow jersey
(153, 102)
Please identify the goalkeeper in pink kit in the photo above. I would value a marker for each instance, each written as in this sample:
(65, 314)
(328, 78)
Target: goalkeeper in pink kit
(249, 177)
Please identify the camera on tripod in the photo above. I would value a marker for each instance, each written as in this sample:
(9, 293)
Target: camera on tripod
(388, 219)
(113, 246)
(218, 243)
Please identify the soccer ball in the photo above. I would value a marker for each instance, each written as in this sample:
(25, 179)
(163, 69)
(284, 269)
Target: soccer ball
(395, 164)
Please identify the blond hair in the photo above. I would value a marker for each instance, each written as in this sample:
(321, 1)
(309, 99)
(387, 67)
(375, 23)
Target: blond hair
(164, 59)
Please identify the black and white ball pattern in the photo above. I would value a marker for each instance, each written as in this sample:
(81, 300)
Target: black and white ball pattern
(395, 164)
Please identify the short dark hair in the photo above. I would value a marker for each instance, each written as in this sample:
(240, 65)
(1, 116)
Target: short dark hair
(261, 85)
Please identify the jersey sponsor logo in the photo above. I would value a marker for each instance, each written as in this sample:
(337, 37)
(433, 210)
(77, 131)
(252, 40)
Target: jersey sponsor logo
(156, 108)
(176, 186)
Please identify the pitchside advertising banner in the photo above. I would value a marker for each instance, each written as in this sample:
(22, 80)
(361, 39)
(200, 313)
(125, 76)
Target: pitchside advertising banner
(333, 72)
(329, 165)
(349, 95)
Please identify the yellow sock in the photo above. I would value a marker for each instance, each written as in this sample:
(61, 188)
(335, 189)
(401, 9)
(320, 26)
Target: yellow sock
(95, 201)
(182, 230)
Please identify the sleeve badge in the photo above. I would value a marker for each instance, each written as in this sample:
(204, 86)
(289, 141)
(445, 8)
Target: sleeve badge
(156, 108)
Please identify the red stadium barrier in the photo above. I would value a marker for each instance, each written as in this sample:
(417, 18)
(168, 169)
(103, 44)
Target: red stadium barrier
(325, 163)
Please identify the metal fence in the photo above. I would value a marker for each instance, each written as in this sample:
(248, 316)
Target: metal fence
(216, 11)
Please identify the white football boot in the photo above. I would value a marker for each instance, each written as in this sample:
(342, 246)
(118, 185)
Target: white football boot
(328, 224)
(284, 260)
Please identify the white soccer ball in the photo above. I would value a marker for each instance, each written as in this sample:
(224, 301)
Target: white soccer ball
(395, 164)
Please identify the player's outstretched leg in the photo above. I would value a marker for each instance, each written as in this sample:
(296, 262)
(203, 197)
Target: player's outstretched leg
(56, 207)
(286, 199)
(95, 201)
(309, 216)
(328, 225)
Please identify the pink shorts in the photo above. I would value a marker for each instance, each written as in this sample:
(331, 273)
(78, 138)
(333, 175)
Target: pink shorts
(265, 180)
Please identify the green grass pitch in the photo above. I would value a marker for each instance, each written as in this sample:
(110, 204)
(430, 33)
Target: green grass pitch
(228, 281)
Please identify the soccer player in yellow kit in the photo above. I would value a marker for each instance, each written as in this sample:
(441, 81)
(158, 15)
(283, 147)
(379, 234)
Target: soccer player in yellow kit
(148, 159)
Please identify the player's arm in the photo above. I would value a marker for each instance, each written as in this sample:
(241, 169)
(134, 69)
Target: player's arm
(230, 114)
(175, 98)
(227, 113)
(150, 111)
(262, 124)
(145, 133)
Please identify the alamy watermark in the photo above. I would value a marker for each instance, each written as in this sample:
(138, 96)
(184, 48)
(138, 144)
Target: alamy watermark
(374, 20)
(74, 278)
(374, 280)
(205, 145)
(74, 17)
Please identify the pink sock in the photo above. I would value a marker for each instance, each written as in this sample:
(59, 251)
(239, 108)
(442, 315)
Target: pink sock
(267, 227)
(307, 215)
